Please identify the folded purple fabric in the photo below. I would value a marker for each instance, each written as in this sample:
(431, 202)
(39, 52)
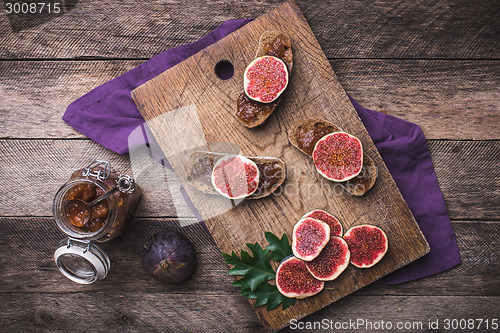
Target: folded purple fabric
(107, 114)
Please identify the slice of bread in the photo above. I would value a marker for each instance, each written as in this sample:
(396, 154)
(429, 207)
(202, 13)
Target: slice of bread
(265, 109)
(363, 182)
(202, 180)
(268, 38)
(309, 125)
(357, 186)
(262, 162)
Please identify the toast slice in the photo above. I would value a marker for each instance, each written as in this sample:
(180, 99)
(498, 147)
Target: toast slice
(200, 164)
(249, 112)
(305, 133)
(265, 47)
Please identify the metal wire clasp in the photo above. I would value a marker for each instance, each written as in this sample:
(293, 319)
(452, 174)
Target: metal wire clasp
(70, 241)
(99, 173)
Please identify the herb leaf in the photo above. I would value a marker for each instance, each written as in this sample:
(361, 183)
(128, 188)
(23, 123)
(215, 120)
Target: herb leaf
(269, 294)
(255, 269)
(280, 248)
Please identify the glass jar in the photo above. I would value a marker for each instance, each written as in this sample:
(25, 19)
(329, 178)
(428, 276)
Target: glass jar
(78, 257)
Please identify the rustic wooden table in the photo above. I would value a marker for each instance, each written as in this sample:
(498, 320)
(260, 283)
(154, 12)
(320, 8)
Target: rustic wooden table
(433, 63)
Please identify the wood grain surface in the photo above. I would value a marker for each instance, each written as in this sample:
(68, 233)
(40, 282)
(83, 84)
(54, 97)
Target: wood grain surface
(435, 63)
(139, 312)
(345, 29)
(188, 108)
(429, 93)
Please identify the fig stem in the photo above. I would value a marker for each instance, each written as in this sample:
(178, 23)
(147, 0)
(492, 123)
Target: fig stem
(163, 265)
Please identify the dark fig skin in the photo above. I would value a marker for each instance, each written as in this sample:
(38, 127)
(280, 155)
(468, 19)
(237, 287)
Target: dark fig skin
(169, 256)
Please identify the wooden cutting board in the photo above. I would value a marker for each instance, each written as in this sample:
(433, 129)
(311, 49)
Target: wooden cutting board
(189, 108)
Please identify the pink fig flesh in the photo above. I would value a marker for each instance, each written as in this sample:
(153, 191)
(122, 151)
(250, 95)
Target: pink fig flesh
(367, 243)
(332, 221)
(235, 176)
(309, 238)
(265, 78)
(332, 261)
(294, 280)
(338, 156)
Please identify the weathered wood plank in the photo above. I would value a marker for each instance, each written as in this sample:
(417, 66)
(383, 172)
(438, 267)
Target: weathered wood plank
(167, 312)
(413, 311)
(127, 311)
(345, 29)
(468, 169)
(467, 172)
(31, 241)
(35, 94)
(447, 99)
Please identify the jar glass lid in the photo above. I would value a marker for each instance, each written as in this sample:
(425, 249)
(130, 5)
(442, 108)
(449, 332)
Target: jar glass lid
(81, 262)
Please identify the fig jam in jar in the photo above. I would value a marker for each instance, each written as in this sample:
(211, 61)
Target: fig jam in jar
(78, 257)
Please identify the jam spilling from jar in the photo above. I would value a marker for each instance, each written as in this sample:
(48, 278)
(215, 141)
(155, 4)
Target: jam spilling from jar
(77, 214)
(247, 110)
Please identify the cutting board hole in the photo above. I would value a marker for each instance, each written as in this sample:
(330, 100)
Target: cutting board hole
(224, 70)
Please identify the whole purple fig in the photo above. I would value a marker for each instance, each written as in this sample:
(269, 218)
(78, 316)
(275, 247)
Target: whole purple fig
(169, 256)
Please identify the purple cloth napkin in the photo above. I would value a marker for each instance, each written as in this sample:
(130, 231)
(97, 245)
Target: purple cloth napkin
(107, 114)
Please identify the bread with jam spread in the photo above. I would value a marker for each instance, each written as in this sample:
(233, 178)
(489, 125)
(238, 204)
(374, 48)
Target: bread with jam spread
(251, 113)
(268, 166)
(315, 128)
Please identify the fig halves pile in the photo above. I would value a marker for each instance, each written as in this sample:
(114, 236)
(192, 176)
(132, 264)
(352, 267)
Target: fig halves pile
(322, 254)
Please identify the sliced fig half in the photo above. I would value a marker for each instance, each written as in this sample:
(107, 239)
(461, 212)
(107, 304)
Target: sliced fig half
(304, 135)
(368, 245)
(332, 261)
(265, 79)
(338, 156)
(235, 176)
(332, 221)
(295, 281)
(309, 238)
